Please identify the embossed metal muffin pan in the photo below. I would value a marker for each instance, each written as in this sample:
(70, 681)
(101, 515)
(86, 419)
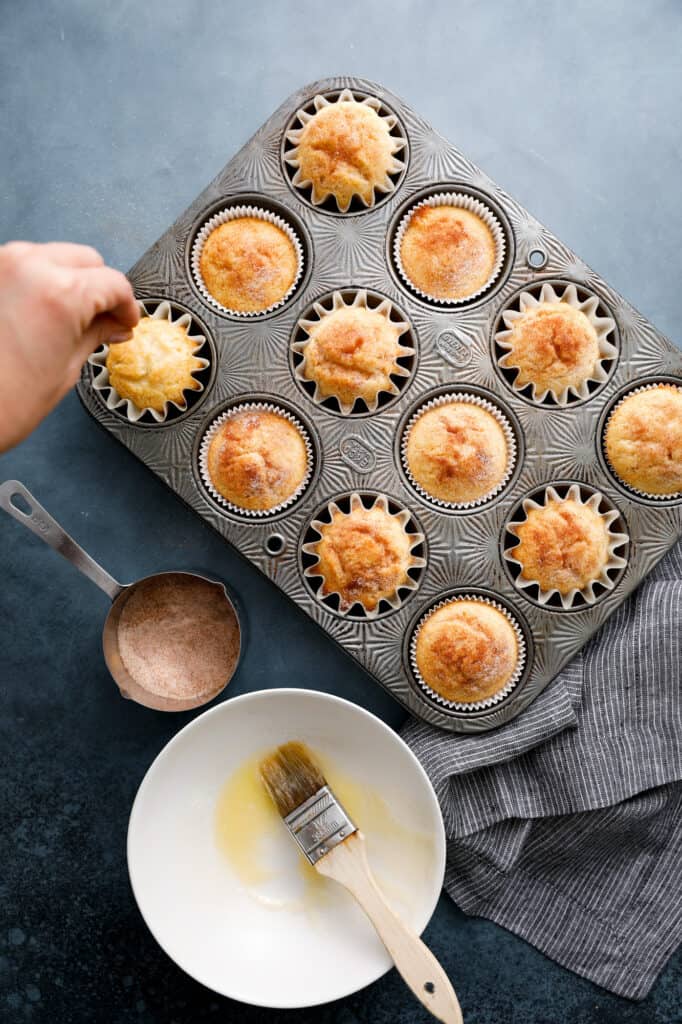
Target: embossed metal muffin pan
(455, 349)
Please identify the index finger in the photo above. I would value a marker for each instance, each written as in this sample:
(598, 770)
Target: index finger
(106, 290)
(70, 254)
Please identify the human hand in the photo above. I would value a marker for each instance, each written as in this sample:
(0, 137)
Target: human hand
(58, 303)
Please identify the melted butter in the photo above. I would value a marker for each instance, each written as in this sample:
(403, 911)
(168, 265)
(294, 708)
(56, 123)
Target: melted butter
(267, 863)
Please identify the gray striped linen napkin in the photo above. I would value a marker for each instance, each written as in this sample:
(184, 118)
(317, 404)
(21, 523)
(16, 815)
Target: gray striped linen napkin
(565, 826)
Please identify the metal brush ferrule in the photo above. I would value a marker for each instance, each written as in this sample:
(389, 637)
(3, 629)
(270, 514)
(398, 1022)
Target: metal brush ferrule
(319, 824)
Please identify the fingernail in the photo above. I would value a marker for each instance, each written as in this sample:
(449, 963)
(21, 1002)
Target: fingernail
(119, 336)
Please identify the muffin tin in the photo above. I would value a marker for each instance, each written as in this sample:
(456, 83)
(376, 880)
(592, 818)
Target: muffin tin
(455, 349)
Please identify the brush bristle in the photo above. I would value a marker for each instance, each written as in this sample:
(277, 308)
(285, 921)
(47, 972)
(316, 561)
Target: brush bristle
(291, 776)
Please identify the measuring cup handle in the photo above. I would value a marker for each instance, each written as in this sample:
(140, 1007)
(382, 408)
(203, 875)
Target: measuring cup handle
(48, 529)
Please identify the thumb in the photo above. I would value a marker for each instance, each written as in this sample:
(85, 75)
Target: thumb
(104, 330)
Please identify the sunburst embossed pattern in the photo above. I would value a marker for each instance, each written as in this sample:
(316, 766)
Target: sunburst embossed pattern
(358, 454)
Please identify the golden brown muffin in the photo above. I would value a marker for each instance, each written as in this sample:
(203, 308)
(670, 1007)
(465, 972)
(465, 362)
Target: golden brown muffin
(364, 556)
(644, 440)
(457, 452)
(447, 252)
(466, 651)
(554, 346)
(156, 365)
(562, 546)
(248, 264)
(257, 459)
(351, 353)
(346, 150)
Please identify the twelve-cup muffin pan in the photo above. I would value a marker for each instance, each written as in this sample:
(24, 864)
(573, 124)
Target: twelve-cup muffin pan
(254, 359)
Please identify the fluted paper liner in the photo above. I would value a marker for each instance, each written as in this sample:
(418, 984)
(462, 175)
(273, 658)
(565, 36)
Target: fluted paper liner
(676, 495)
(252, 513)
(495, 698)
(385, 309)
(234, 213)
(112, 399)
(417, 562)
(469, 399)
(603, 326)
(463, 202)
(293, 137)
(614, 561)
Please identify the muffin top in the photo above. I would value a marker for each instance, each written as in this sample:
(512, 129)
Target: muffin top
(351, 353)
(563, 546)
(156, 365)
(554, 346)
(644, 440)
(364, 556)
(346, 150)
(257, 459)
(457, 452)
(447, 252)
(466, 651)
(248, 264)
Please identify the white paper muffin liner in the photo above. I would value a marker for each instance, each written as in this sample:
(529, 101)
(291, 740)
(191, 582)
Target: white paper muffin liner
(293, 137)
(495, 698)
(469, 399)
(250, 513)
(234, 213)
(614, 561)
(464, 202)
(417, 562)
(112, 399)
(603, 326)
(385, 309)
(675, 495)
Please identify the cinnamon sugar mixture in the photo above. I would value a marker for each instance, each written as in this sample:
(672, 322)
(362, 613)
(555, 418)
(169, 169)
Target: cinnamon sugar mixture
(178, 637)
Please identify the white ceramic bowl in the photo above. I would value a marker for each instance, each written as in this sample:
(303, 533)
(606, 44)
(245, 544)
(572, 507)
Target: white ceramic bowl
(208, 921)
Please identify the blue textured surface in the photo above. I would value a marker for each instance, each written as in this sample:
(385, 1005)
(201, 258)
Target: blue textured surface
(116, 115)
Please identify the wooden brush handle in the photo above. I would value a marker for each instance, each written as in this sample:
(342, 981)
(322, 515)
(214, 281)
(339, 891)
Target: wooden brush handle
(347, 864)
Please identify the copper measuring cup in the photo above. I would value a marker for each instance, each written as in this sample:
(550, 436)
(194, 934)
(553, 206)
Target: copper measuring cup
(48, 529)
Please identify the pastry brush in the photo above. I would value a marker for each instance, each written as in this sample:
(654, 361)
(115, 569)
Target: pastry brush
(336, 848)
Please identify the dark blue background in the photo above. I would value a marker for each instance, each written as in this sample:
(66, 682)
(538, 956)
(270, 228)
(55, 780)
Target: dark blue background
(115, 115)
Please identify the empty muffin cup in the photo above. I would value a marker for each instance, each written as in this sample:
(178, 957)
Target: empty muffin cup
(258, 281)
(477, 464)
(585, 545)
(162, 376)
(488, 653)
(462, 266)
(561, 366)
(262, 466)
(364, 557)
(328, 158)
(340, 360)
